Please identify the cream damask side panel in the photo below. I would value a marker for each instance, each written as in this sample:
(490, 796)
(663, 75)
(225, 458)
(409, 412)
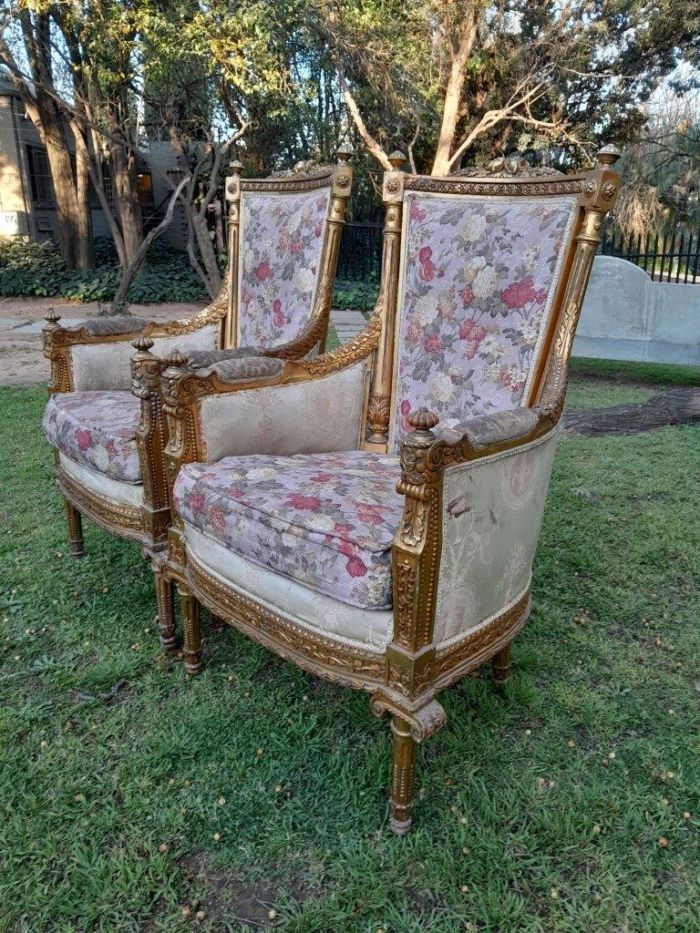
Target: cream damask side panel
(98, 366)
(318, 416)
(492, 513)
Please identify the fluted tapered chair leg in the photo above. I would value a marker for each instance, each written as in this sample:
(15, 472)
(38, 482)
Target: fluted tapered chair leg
(192, 632)
(402, 778)
(165, 596)
(500, 666)
(75, 530)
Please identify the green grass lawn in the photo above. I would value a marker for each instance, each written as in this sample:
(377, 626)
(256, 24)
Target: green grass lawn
(130, 792)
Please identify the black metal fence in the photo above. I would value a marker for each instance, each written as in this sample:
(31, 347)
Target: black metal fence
(667, 257)
(670, 257)
(360, 256)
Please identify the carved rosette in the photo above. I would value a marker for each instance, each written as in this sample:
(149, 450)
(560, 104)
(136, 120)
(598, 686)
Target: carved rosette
(511, 166)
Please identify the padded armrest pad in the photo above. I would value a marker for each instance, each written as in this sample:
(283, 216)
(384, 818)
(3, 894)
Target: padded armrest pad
(243, 369)
(199, 359)
(491, 429)
(108, 326)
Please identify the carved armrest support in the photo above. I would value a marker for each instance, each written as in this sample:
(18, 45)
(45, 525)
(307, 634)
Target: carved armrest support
(151, 435)
(425, 456)
(417, 545)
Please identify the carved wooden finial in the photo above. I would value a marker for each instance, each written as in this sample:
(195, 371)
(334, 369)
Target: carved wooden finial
(142, 343)
(175, 358)
(608, 155)
(344, 152)
(423, 419)
(52, 317)
(236, 167)
(397, 159)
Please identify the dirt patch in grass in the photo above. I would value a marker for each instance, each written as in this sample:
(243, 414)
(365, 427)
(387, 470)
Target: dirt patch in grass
(222, 895)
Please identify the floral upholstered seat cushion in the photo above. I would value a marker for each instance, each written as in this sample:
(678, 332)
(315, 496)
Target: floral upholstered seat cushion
(97, 430)
(478, 284)
(324, 520)
(283, 237)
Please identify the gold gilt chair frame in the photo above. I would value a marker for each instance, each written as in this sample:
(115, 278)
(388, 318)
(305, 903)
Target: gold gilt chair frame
(148, 522)
(406, 680)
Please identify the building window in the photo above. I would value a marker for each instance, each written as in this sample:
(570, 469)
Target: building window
(40, 178)
(106, 188)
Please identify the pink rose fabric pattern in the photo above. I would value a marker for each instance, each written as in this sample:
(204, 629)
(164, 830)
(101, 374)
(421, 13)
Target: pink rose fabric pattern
(280, 256)
(478, 283)
(96, 430)
(325, 520)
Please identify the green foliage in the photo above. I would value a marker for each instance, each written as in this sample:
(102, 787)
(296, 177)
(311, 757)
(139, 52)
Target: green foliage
(117, 772)
(356, 296)
(28, 269)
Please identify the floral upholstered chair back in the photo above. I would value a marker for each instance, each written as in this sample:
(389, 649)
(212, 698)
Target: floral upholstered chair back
(477, 289)
(287, 255)
(279, 263)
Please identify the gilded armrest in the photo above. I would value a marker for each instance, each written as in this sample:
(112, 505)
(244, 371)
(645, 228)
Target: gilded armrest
(61, 342)
(96, 353)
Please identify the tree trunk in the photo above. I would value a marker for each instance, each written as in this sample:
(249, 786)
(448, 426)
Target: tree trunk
(207, 254)
(453, 96)
(136, 263)
(58, 156)
(125, 186)
(126, 200)
(84, 255)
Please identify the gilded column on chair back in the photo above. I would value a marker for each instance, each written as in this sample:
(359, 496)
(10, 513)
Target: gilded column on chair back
(340, 189)
(599, 195)
(233, 199)
(379, 409)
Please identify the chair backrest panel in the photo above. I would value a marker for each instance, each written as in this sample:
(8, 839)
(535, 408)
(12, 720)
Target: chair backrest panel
(478, 280)
(282, 236)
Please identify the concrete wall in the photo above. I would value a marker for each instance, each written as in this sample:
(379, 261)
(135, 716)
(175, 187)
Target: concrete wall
(626, 316)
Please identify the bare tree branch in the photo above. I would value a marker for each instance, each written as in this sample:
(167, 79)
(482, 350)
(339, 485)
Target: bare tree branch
(135, 264)
(369, 140)
(414, 138)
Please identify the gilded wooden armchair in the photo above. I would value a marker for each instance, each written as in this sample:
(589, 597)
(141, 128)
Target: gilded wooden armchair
(104, 417)
(380, 530)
